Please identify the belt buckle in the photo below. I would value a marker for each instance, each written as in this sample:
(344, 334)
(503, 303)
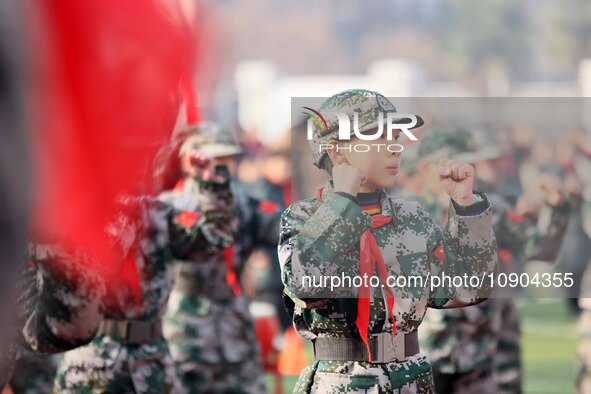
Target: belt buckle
(137, 333)
(388, 348)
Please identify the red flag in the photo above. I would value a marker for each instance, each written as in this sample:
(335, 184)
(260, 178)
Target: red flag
(108, 74)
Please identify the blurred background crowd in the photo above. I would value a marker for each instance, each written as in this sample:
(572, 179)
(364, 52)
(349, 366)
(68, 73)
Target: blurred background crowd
(512, 74)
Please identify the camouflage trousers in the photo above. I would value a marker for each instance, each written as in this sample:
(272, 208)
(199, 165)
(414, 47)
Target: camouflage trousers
(475, 381)
(213, 344)
(337, 377)
(106, 365)
(507, 360)
(476, 349)
(33, 372)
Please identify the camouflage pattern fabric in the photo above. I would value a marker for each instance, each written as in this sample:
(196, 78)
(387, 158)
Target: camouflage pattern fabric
(62, 300)
(576, 250)
(258, 223)
(369, 107)
(469, 341)
(270, 288)
(33, 372)
(213, 345)
(507, 360)
(210, 331)
(332, 377)
(108, 364)
(475, 381)
(321, 237)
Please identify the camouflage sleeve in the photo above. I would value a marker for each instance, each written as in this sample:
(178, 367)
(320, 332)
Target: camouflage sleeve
(510, 228)
(467, 249)
(67, 311)
(520, 237)
(267, 218)
(313, 237)
(545, 237)
(258, 227)
(206, 225)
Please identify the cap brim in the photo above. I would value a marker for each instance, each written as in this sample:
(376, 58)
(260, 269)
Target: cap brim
(420, 121)
(220, 150)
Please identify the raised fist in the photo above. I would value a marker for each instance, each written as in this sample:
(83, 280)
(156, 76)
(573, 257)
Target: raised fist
(457, 179)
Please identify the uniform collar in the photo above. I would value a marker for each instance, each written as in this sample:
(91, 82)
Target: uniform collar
(328, 190)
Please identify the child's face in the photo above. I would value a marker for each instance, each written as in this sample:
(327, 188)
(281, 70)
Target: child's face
(378, 164)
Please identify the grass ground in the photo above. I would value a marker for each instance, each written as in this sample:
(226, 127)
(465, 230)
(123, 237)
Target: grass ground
(548, 348)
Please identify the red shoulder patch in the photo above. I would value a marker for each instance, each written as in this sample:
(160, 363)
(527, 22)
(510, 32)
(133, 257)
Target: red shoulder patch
(268, 206)
(439, 253)
(505, 255)
(515, 217)
(187, 218)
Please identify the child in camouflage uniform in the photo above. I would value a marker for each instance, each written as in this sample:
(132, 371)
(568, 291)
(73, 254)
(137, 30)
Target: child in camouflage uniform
(207, 323)
(129, 353)
(477, 349)
(369, 342)
(57, 306)
(59, 301)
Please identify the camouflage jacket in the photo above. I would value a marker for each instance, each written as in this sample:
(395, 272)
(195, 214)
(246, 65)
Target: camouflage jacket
(152, 235)
(208, 326)
(258, 223)
(246, 223)
(155, 236)
(458, 340)
(268, 195)
(518, 238)
(163, 233)
(204, 269)
(60, 299)
(321, 237)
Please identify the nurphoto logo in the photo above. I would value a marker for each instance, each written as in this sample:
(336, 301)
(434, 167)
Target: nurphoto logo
(386, 124)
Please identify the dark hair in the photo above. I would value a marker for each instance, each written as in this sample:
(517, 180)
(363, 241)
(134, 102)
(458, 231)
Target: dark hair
(326, 164)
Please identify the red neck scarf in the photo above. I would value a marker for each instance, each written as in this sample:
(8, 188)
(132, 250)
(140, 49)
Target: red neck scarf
(369, 255)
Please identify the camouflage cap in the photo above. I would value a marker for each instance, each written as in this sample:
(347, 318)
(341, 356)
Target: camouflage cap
(366, 103)
(457, 143)
(210, 138)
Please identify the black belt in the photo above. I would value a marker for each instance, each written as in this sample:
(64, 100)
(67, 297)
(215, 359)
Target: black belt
(385, 348)
(133, 332)
(217, 291)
